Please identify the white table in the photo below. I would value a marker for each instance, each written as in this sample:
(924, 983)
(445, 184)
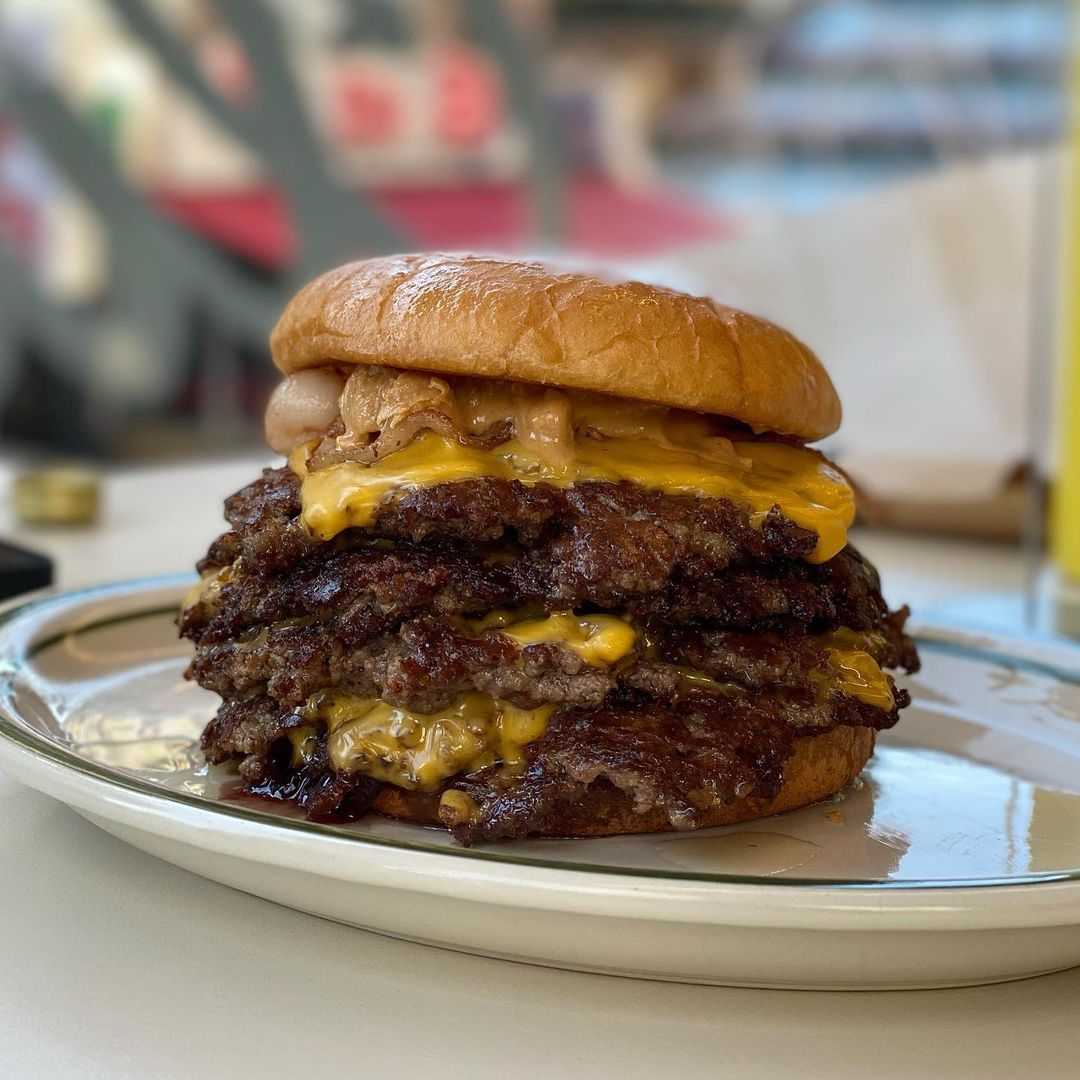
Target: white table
(113, 964)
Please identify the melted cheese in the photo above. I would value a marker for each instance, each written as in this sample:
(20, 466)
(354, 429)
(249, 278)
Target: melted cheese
(857, 674)
(418, 751)
(600, 640)
(690, 679)
(808, 490)
(208, 588)
(304, 744)
(850, 671)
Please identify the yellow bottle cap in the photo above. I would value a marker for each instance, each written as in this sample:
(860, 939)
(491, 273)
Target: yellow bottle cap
(60, 495)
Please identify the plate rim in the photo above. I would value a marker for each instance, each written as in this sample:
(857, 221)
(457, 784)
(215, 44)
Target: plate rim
(17, 739)
(567, 890)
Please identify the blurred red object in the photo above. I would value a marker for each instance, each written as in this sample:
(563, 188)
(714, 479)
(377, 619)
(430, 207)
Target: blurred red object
(366, 106)
(377, 99)
(19, 225)
(227, 67)
(20, 219)
(602, 219)
(468, 95)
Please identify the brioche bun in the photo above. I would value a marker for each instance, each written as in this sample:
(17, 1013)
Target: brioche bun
(492, 318)
(820, 766)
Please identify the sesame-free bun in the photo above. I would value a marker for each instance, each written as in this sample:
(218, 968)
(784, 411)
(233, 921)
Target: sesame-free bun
(516, 320)
(820, 766)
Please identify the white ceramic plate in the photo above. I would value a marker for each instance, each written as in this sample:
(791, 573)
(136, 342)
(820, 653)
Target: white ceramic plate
(954, 860)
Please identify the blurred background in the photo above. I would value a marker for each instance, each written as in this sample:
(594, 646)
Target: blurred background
(885, 177)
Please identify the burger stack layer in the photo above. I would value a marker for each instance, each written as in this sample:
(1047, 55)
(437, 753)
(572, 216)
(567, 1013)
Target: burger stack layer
(515, 609)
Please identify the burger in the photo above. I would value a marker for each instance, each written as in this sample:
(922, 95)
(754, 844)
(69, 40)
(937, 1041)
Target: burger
(549, 557)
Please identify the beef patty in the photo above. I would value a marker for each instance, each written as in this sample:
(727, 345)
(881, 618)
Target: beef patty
(678, 558)
(428, 661)
(380, 613)
(709, 750)
(594, 524)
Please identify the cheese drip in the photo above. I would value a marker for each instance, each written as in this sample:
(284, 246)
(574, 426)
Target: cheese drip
(208, 588)
(759, 476)
(599, 640)
(418, 751)
(603, 640)
(858, 674)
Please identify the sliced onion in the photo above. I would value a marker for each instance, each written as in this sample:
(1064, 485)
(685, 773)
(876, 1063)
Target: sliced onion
(302, 406)
(540, 415)
(377, 400)
(331, 452)
(378, 411)
(618, 418)
(546, 427)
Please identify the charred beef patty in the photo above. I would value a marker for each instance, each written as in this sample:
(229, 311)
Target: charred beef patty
(428, 661)
(710, 750)
(267, 532)
(707, 753)
(383, 613)
(605, 545)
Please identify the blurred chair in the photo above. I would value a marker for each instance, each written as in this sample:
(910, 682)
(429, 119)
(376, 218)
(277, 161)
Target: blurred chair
(132, 353)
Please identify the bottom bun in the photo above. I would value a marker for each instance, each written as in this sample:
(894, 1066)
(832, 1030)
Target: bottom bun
(820, 766)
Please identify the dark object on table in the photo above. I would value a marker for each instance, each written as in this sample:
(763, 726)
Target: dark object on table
(22, 571)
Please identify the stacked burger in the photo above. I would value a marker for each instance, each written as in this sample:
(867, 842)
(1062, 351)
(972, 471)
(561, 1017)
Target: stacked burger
(549, 557)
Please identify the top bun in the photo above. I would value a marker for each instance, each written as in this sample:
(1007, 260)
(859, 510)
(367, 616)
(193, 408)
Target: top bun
(514, 320)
